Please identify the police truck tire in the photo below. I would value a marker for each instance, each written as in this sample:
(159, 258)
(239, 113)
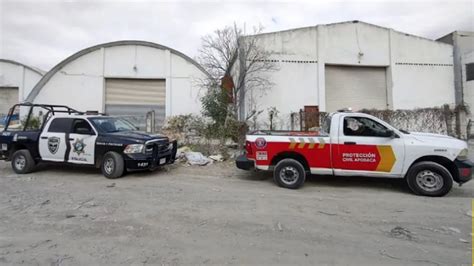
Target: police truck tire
(112, 165)
(23, 162)
(289, 173)
(429, 179)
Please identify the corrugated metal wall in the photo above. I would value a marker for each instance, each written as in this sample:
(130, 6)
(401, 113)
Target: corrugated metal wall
(355, 87)
(133, 98)
(8, 97)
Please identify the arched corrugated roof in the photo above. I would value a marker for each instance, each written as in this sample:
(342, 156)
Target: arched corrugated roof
(34, 69)
(35, 91)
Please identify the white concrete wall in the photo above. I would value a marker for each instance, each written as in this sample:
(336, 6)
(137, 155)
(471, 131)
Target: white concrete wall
(343, 43)
(295, 81)
(16, 75)
(186, 77)
(465, 42)
(422, 72)
(80, 83)
(419, 71)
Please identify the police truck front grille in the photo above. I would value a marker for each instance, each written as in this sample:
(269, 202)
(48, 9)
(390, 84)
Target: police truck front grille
(149, 149)
(163, 147)
(155, 148)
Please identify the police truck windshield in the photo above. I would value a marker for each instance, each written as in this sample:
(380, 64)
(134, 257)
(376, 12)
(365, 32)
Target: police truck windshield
(112, 124)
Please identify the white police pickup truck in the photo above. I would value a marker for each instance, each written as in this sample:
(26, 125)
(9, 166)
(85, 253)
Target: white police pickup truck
(59, 134)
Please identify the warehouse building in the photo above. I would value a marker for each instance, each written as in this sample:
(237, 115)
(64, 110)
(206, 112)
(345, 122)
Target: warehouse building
(16, 82)
(463, 53)
(124, 78)
(353, 64)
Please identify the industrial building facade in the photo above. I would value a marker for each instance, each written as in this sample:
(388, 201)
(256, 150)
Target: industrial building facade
(124, 78)
(325, 68)
(463, 53)
(16, 82)
(353, 64)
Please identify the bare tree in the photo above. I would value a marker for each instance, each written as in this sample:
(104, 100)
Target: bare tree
(230, 53)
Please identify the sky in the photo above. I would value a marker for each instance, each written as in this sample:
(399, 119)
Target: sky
(41, 33)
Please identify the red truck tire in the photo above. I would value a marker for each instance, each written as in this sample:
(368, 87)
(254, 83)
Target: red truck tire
(289, 173)
(429, 179)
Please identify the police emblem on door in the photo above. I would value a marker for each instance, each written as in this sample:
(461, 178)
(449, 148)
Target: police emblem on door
(79, 146)
(53, 144)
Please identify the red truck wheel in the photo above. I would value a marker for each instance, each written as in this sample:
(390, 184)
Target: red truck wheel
(289, 173)
(429, 179)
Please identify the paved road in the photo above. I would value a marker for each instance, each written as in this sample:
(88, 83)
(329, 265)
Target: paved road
(221, 215)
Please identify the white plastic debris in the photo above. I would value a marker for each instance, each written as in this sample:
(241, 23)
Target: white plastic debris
(454, 229)
(180, 153)
(197, 158)
(218, 158)
(280, 228)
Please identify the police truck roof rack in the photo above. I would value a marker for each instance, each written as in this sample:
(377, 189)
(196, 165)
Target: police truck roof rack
(56, 108)
(53, 108)
(50, 108)
(93, 112)
(345, 110)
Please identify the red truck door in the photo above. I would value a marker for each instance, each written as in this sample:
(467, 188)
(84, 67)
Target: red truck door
(366, 147)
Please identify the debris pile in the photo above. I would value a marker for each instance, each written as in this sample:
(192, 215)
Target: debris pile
(197, 158)
(185, 154)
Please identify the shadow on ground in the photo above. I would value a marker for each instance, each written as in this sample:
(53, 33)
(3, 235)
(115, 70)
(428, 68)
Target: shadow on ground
(355, 182)
(228, 170)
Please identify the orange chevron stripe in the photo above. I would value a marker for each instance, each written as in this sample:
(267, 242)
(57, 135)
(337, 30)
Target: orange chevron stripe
(387, 158)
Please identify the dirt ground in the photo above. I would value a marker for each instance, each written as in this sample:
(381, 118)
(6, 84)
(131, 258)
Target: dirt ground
(221, 215)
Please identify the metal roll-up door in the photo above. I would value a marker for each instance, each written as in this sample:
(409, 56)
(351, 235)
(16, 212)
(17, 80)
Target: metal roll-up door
(134, 98)
(355, 87)
(8, 97)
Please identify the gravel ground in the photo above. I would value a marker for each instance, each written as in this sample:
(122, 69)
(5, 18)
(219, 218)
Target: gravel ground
(221, 215)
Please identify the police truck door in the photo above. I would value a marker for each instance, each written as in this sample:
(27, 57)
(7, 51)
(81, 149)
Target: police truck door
(82, 141)
(52, 142)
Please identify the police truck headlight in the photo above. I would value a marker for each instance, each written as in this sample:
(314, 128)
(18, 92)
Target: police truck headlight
(463, 155)
(134, 148)
(170, 146)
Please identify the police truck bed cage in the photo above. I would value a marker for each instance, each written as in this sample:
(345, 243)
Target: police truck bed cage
(53, 108)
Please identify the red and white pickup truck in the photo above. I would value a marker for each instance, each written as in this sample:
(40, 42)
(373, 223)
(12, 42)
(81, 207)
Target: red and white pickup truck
(358, 144)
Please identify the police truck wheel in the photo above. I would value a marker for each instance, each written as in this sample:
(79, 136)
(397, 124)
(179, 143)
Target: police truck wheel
(289, 173)
(112, 165)
(429, 179)
(22, 162)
